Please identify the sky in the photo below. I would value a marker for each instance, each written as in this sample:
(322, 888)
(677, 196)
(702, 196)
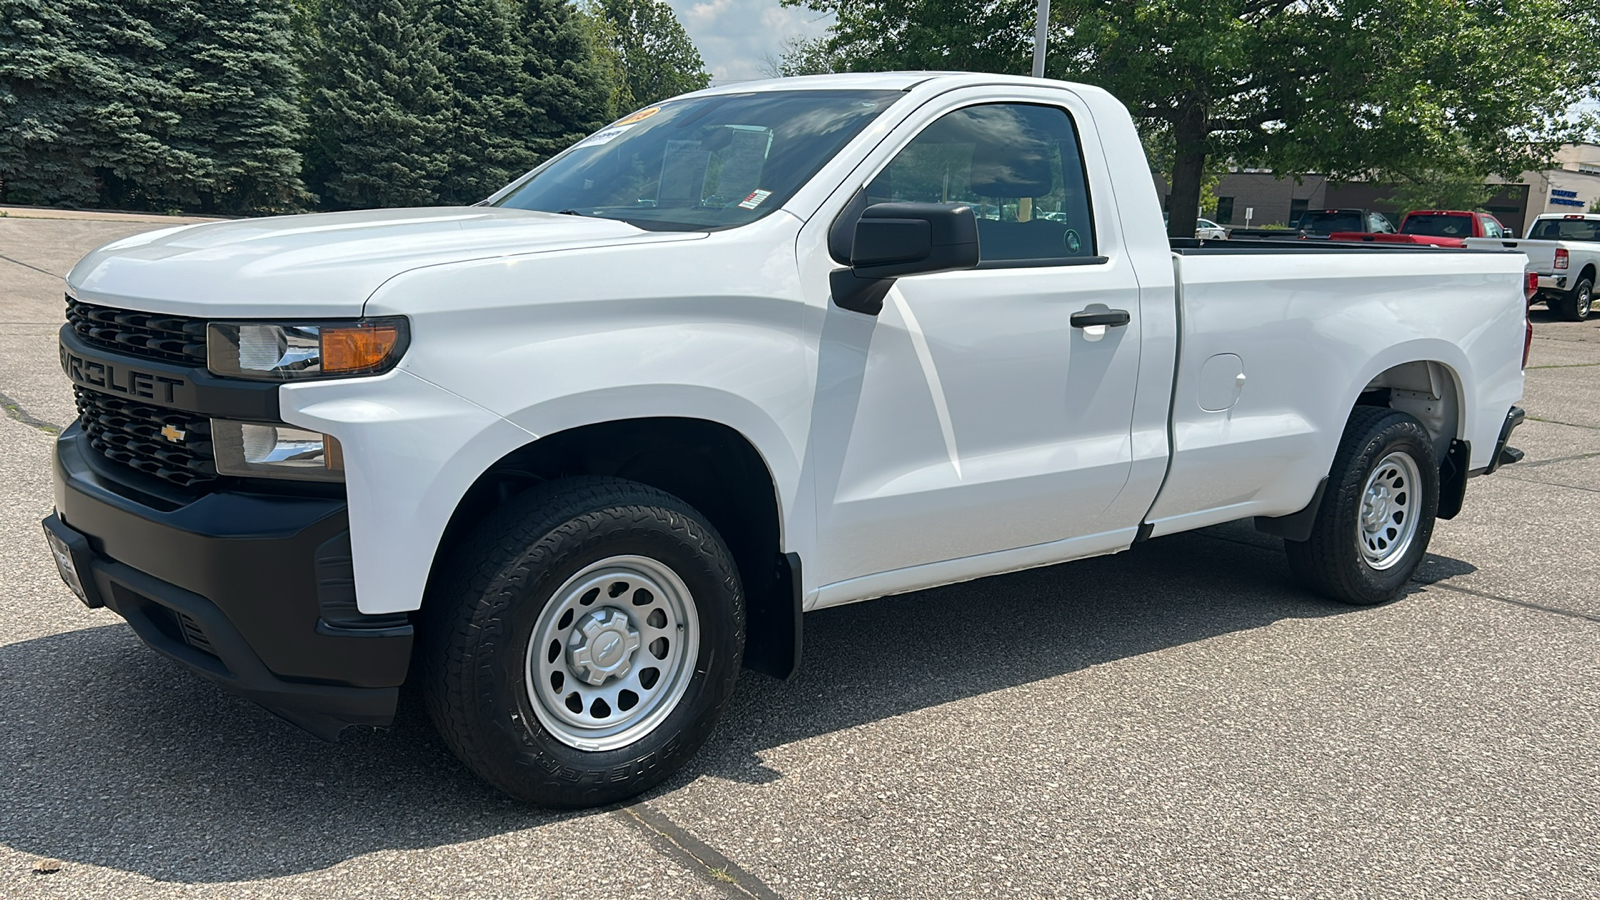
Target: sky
(734, 36)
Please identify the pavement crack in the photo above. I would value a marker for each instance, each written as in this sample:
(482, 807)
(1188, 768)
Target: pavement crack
(1567, 366)
(1568, 424)
(1570, 487)
(704, 859)
(1525, 604)
(30, 266)
(16, 411)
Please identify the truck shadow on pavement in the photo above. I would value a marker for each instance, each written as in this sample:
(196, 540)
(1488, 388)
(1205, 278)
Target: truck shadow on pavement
(113, 757)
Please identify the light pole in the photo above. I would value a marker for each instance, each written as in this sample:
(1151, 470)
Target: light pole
(1041, 31)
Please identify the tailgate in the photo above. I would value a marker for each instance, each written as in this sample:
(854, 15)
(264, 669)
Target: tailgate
(1541, 254)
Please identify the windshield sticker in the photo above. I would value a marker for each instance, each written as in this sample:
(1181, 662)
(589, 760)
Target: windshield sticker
(755, 199)
(743, 161)
(604, 136)
(683, 174)
(639, 116)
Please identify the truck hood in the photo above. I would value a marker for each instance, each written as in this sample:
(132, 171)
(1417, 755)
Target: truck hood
(323, 265)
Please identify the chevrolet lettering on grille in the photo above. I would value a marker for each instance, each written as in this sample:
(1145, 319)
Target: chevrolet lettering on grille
(120, 379)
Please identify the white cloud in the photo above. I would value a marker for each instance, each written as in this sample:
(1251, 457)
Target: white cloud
(736, 36)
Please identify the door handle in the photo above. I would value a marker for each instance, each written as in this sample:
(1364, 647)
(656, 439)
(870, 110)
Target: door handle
(1088, 319)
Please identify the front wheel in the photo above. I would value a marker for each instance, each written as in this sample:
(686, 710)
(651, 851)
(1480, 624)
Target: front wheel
(1377, 514)
(582, 641)
(1575, 305)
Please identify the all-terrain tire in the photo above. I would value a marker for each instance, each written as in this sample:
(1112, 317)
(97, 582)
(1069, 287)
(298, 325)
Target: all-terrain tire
(1355, 553)
(478, 654)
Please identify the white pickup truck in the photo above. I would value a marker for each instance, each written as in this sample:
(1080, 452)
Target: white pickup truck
(1563, 250)
(571, 458)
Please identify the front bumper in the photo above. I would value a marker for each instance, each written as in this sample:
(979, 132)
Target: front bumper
(251, 590)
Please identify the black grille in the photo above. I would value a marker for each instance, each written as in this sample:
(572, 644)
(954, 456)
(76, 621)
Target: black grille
(175, 339)
(130, 433)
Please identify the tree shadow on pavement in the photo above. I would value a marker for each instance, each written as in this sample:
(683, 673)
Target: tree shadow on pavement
(116, 758)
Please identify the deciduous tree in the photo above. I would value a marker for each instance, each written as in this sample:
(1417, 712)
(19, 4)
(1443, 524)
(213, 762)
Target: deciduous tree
(655, 56)
(1349, 88)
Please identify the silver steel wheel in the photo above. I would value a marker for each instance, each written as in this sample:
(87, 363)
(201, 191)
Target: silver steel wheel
(612, 653)
(1389, 510)
(1585, 300)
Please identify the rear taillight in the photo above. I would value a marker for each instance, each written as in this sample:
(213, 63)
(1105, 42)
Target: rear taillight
(1531, 287)
(1561, 257)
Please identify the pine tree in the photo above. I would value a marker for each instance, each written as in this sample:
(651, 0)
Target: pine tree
(233, 63)
(149, 103)
(377, 104)
(569, 89)
(483, 67)
(74, 108)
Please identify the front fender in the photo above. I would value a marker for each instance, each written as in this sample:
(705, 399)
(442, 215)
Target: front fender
(411, 451)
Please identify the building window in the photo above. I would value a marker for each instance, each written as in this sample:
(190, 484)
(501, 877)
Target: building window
(1297, 208)
(1224, 210)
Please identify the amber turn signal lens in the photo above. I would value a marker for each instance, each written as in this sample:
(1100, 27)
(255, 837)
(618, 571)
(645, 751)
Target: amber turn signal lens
(357, 348)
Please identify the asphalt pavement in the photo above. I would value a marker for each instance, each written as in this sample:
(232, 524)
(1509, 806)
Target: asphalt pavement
(1175, 721)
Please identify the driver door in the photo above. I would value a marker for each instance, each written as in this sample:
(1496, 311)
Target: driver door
(971, 418)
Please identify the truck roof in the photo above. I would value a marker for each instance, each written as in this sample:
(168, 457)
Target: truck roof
(882, 81)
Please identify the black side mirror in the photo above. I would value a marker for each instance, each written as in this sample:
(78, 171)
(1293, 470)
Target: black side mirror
(896, 239)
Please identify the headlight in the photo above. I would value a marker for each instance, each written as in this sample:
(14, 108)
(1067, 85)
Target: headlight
(255, 450)
(269, 351)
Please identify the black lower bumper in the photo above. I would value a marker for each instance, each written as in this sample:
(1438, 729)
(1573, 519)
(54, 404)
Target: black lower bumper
(254, 591)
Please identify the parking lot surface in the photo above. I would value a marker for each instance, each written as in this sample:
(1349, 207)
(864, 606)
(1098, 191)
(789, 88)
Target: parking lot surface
(1179, 720)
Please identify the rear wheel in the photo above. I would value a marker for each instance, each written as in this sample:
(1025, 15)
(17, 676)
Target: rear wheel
(1377, 515)
(583, 641)
(1575, 305)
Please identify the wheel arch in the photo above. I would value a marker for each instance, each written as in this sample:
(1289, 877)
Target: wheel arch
(712, 466)
(1429, 390)
(1433, 393)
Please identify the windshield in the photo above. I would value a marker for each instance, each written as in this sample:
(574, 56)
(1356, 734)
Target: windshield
(1565, 230)
(1438, 226)
(1330, 221)
(701, 164)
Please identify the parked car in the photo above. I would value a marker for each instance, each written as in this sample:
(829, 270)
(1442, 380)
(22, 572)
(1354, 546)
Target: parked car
(1434, 227)
(1204, 229)
(568, 460)
(1563, 250)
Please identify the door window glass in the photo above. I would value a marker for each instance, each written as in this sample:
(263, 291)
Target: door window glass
(1018, 167)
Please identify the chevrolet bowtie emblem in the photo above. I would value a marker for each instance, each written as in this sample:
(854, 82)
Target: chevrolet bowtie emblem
(173, 433)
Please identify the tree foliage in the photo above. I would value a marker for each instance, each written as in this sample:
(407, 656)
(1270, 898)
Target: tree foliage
(149, 104)
(648, 50)
(1393, 89)
(378, 105)
(422, 102)
(805, 56)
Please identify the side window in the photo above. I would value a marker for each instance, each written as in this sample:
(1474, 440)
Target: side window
(1017, 165)
(1491, 227)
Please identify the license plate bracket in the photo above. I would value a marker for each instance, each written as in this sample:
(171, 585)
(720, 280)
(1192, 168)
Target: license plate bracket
(73, 557)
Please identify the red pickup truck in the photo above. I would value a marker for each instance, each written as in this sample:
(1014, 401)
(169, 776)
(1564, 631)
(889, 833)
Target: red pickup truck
(1438, 227)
